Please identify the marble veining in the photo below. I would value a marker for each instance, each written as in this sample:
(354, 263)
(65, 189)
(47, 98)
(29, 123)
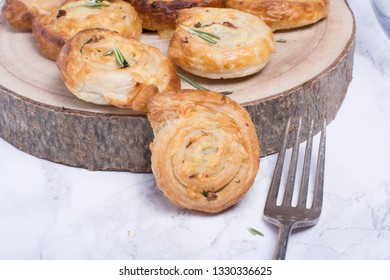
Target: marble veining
(51, 211)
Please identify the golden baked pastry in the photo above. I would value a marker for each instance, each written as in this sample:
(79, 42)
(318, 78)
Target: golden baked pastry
(161, 15)
(53, 30)
(220, 43)
(205, 152)
(19, 13)
(90, 68)
(283, 14)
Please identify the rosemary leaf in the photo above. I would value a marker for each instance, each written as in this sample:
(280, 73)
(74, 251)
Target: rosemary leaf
(208, 39)
(191, 82)
(120, 57)
(207, 36)
(198, 86)
(255, 231)
(281, 40)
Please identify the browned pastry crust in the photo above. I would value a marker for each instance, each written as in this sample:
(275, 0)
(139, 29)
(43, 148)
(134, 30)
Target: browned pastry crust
(205, 152)
(159, 15)
(53, 30)
(243, 47)
(91, 70)
(283, 14)
(19, 13)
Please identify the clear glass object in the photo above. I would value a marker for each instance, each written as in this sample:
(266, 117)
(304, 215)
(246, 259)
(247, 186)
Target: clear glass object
(382, 11)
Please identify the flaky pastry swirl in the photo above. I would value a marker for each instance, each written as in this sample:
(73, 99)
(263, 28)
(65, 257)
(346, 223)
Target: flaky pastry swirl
(283, 14)
(19, 13)
(91, 71)
(53, 30)
(205, 152)
(243, 43)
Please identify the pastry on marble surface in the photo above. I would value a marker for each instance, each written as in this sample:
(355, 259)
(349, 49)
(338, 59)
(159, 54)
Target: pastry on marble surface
(53, 30)
(283, 14)
(19, 13)
(161, 15)
(90, 68)
(237, 44)
(205, 152)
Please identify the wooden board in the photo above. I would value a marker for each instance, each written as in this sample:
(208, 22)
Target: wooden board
(308, 75)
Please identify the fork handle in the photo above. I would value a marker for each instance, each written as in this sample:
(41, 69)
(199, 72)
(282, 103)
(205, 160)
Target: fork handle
(282, 240)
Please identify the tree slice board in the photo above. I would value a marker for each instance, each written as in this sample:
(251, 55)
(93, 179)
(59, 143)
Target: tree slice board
(307, 76)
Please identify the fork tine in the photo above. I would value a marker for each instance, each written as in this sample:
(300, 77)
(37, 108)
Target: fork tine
(306, 168)
(274, 187)
(287, 199)
(319, 182)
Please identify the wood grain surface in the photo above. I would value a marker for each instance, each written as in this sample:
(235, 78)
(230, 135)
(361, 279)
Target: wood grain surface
(308, 76)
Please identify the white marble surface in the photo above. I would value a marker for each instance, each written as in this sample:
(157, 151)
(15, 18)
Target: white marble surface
(51, 211)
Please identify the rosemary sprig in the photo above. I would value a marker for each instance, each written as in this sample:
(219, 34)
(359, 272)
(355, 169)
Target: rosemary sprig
(198, 86)
(207, 36)
(191, 82)
(255, 231)
(118, 55)
(91, 3)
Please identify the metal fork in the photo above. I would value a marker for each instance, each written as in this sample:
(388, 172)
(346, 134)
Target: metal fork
(286, 216)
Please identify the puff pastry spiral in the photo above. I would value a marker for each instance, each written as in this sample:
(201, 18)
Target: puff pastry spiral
(53, 30)
(205, 154)
(19, 13)
(243, 47)
(91, 70)
(283, 14)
